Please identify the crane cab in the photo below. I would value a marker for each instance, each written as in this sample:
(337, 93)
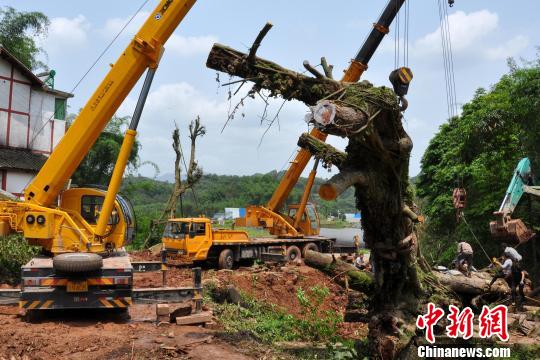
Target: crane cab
(309, 224)
(86, 203)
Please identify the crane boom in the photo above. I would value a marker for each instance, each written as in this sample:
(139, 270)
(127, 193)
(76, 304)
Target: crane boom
(89, 219)
(143, 52)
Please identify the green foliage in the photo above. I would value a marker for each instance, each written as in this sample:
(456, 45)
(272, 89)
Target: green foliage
(97, 166)
(18, 31)
(317, 325)
(479, 149)
(213, 193)
(14, 252)
(270, 324)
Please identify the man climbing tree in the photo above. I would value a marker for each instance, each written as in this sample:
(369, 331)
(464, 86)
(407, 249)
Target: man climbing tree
(18, 31)
(193, 175)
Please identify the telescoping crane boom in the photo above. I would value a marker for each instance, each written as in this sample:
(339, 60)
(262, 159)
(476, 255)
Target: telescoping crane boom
(72, 226)
(85, 229)
(302, 219)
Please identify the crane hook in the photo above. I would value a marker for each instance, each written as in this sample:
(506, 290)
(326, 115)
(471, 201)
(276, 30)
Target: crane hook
(451, 3)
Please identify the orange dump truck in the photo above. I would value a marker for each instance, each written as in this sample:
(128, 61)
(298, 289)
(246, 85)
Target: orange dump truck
(194, 240)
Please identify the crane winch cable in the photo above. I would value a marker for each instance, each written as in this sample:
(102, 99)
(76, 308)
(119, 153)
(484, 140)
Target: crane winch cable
(92, 66)
(448, 61)
(401, 29)
(474, 236)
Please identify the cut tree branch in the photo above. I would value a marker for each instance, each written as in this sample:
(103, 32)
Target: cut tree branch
(328, 154)
(341, 182)
(257, 42)
(327, 68)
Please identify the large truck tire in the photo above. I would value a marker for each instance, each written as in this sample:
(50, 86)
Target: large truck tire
(293, 253)
(226, 259)
(77, 262)
(309, 246)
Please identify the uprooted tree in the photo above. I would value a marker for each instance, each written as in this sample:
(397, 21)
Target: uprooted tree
(375, 163)
(193, 175)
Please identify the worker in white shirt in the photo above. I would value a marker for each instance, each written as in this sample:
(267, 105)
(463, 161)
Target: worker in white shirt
(517, 277)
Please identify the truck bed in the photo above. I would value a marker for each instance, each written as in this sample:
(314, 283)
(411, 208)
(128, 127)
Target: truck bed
(274, 241)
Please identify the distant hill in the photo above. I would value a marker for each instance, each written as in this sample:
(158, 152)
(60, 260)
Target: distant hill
(216, 192)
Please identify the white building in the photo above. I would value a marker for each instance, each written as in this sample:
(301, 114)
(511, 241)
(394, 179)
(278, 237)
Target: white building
(233, 213)
(353, 217)
(32, 122)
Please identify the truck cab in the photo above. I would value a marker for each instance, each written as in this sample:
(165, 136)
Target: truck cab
(309, 224)
(192, 238)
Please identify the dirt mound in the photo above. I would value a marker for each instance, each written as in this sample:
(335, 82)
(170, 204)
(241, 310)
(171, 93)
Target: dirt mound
(279, 286)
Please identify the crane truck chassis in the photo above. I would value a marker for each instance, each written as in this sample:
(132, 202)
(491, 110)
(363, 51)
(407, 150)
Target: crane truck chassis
(193, 240)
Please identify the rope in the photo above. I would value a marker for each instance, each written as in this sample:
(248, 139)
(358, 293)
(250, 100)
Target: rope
(474, 236)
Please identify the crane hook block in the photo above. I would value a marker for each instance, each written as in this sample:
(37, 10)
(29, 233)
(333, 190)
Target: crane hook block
(400, 80)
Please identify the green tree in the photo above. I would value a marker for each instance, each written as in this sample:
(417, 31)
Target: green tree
(18, 31)
(479, 150)
(97, 166)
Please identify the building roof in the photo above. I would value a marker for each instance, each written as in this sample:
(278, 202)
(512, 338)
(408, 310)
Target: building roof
(30, 75)
(21, 159)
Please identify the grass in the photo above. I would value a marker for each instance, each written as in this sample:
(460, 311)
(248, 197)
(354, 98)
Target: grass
(270, 324)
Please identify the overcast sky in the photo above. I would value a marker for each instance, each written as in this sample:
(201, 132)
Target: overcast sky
(484, 34)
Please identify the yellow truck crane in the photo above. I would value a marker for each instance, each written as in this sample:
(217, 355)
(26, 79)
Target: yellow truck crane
(82, 231)
(194, 240)
(302, 219)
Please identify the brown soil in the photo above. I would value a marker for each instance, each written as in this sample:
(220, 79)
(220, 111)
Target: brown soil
(106, 335)
(112, 337)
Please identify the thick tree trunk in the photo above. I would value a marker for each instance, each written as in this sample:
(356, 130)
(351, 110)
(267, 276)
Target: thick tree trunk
(356, 280)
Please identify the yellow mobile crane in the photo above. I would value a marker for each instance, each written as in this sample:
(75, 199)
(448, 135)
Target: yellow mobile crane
(302, 219)
(83, 230)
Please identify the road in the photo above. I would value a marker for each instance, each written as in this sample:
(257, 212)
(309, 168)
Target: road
(343, 236)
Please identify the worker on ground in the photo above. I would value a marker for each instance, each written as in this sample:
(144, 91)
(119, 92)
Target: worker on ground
(360, 262)
(464, 259)
(504, 270)
(356, 239)
(517, 276)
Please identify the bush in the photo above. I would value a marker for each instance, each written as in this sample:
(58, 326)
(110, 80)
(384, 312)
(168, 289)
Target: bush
(14, 252)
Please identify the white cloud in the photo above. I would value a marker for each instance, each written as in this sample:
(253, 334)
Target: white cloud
(509, 48)
(190, 45)
(465, 31)
(67, 33)
(178, 44)
(114, 25)
(236, 150)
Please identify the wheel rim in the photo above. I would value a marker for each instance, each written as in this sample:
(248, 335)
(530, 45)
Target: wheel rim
(229, 261)
(292, 256)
